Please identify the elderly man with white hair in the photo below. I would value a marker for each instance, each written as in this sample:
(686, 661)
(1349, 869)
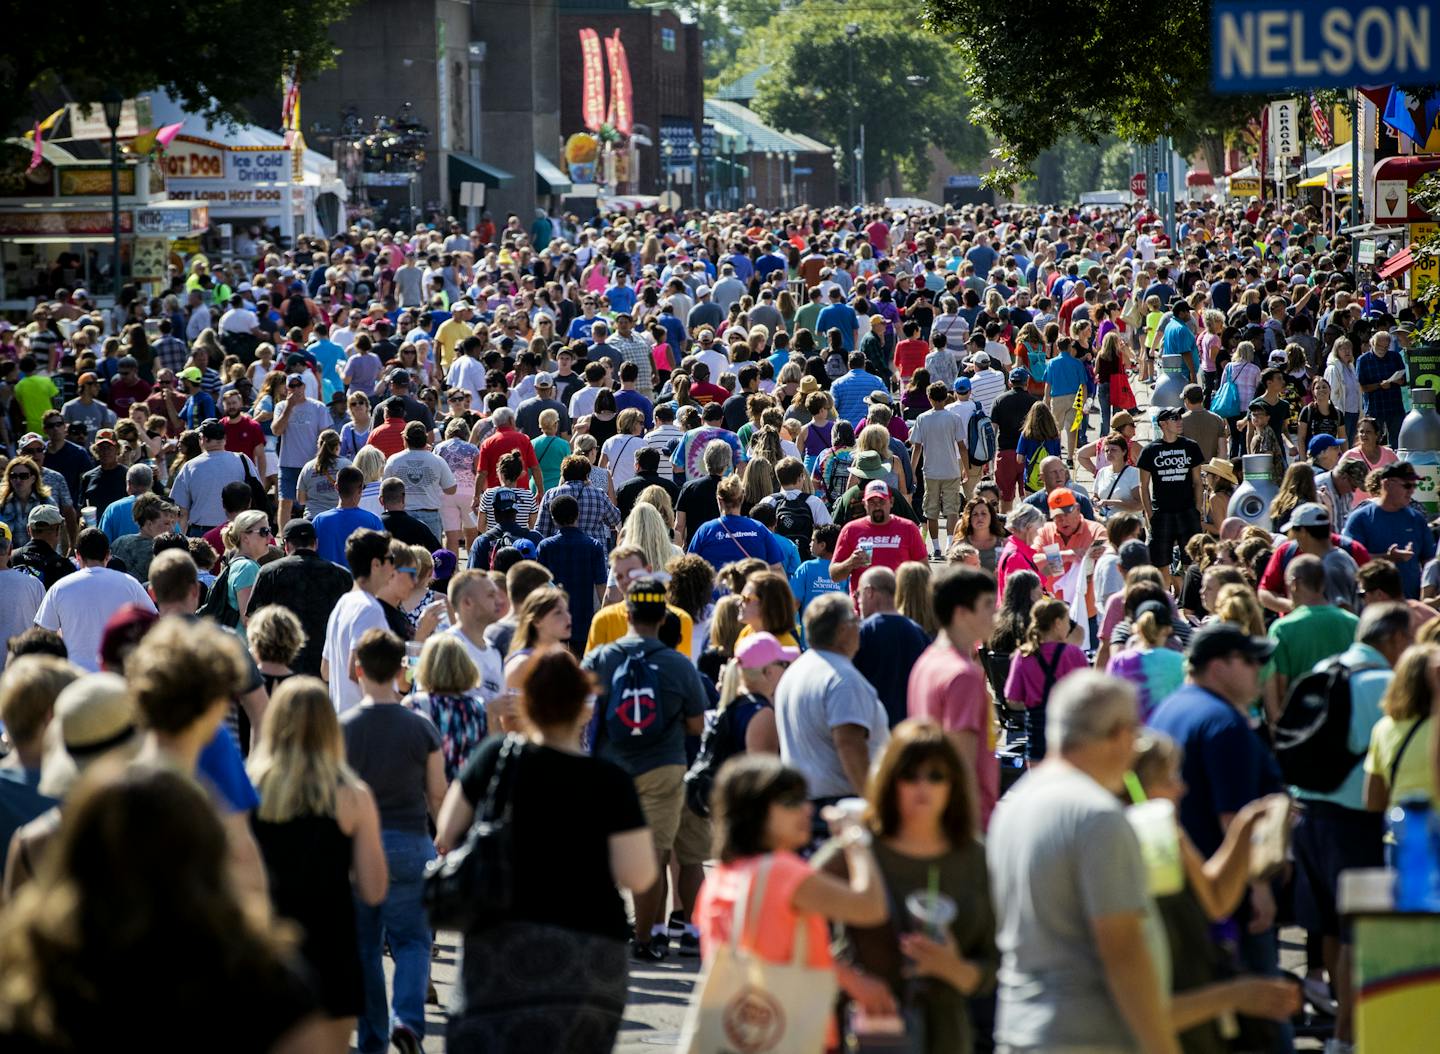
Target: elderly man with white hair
(1072, 903)
(116, 521)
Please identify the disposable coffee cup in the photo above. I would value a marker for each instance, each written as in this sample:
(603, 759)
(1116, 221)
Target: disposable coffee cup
(931, 912)
(853, 809)
(1159, 835)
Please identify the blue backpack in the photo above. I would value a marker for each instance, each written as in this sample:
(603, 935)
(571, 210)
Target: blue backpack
(980, 437)
(632, 706)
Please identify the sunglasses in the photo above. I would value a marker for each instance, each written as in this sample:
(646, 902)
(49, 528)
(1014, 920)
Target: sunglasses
(263, 532)
(21, 475)
(1408, 484)
(408, 571)
(935, 776)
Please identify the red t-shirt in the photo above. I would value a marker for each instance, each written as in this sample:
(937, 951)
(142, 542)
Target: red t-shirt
(388, 438)
(910, 356)
(123, 396)
(891, 544)
(950, 689)
(1274, 577)
(497, 446)
(704, 392)
(243, 435)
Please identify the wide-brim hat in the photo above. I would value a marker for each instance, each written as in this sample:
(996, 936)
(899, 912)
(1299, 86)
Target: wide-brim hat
(1218, 466)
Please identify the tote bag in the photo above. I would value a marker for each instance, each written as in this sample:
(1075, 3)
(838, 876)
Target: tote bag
(748, 1004)
(1226, 401)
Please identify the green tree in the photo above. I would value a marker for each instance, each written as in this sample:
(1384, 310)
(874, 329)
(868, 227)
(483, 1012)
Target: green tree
(908, 95)
(1134, 68)
(210, 57)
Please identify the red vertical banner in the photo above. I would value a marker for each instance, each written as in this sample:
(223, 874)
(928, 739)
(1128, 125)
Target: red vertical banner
(622, 114)
(592, 82)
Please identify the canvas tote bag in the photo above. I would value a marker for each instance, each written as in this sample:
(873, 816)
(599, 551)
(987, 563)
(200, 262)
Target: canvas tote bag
(747, 1005)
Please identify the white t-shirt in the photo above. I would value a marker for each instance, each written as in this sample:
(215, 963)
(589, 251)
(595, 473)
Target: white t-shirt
(715, 359)
(356, 612)
(468, 372)
(999, 353)
(20, 597)
(80, 604)
(1125, 486)
(426, 476)
(621, 450)
(487, 660)
(814, 504)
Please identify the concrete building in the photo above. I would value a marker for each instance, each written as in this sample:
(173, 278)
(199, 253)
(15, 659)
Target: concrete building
(481, 75)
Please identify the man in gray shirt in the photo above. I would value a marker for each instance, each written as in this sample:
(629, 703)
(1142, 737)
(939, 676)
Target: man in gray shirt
(410, 284)
(198, 484)
(831, 722)
(1084, 963)
(298, 422)
(766, 313)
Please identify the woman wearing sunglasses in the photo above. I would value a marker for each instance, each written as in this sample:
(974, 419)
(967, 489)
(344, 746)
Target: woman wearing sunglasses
(938, 946)
(21, 489)
(247, 539)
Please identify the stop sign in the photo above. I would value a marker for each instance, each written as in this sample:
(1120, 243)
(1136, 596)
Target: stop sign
(1137, 184)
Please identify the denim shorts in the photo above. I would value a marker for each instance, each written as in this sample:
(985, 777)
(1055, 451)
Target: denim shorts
(289, 479)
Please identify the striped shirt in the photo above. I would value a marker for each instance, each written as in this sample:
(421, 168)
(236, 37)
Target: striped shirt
(987, 386)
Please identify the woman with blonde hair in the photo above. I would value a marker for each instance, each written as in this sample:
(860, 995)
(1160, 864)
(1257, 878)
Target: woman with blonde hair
(725, 625)
(646, 529)
(760, 481)
(21, 490)
(912, 595)
(247, 539)
(371, 463)
(275, 637)
(446, 691)
(318, 829)
(1239, 605)
(1397, 765)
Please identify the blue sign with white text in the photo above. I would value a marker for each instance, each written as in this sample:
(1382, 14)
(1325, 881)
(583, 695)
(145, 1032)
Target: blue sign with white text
(1278, 44)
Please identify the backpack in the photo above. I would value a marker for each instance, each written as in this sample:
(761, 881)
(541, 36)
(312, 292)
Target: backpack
(631, 713)
(217, 601)
(297, 313)
(1312, 734)
(717, 746)
(795, 521)
(980, 437)
(1034, 481)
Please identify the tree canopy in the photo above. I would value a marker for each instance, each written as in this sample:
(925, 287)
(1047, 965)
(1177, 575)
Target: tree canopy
(909, 95)
(210, 57)
(1134, 68)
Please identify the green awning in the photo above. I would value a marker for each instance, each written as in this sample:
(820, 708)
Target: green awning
(466, 169)
(548, 178)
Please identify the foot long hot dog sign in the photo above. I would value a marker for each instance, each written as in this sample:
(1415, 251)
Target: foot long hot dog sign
(1273, 45)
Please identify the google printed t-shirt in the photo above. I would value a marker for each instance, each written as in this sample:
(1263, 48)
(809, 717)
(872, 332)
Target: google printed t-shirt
(729, 538)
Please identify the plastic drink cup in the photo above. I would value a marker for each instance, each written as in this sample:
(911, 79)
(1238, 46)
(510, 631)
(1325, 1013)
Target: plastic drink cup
(1155, 827)
(1052, 558)
(868, 548)
(853, 808)
(412, 659)
(932, 912)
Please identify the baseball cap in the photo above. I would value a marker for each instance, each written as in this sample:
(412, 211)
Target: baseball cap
(877, 488)
(962, 384)
(212, 429)
(298, 531)
(1133, 554)
(704, 290)
(47, 515)
(294, 381)
(1170, 413)
(761, 649)
(1158, 608)
(544, 380)
(30, 439)
(1020, 373)
(400, 377)
(980, 358)
(94, 716)
(646, 596)
(106, 435)
(526, 548)
(1321, 443)
(1216, 640)
(123, 631)
(1062, 499)
(445, 564)
(129, 362)
(191, 374)
(87, 378)
(1259, 406)
(1308, 514)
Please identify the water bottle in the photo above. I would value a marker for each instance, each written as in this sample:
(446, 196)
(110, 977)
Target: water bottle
(90, 516)
(1417, 865)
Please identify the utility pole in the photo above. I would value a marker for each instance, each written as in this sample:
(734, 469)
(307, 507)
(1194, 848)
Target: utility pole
(852, 30)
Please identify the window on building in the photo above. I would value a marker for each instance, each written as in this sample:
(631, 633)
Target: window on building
(667, 38)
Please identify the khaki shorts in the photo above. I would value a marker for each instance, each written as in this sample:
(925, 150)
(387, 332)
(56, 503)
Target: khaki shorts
(1063, 408)
(662, 798)
(693, 843)
(942, 498)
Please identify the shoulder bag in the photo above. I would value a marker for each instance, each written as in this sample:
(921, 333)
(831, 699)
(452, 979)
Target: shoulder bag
(747, 1003)
(475, 882)
(1226, 401)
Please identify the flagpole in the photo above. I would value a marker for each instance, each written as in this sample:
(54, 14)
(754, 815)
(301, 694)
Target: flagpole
(1355, 183)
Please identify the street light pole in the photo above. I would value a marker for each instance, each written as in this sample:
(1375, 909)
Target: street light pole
(111, 103)
(852, 30)
(695, 173)
(665, 149)
(790, 156)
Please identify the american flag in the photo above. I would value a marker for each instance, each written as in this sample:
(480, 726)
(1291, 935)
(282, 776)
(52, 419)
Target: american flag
(1321, 122)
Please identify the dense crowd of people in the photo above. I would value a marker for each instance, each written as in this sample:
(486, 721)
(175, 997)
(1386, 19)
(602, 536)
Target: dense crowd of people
(822, 588)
